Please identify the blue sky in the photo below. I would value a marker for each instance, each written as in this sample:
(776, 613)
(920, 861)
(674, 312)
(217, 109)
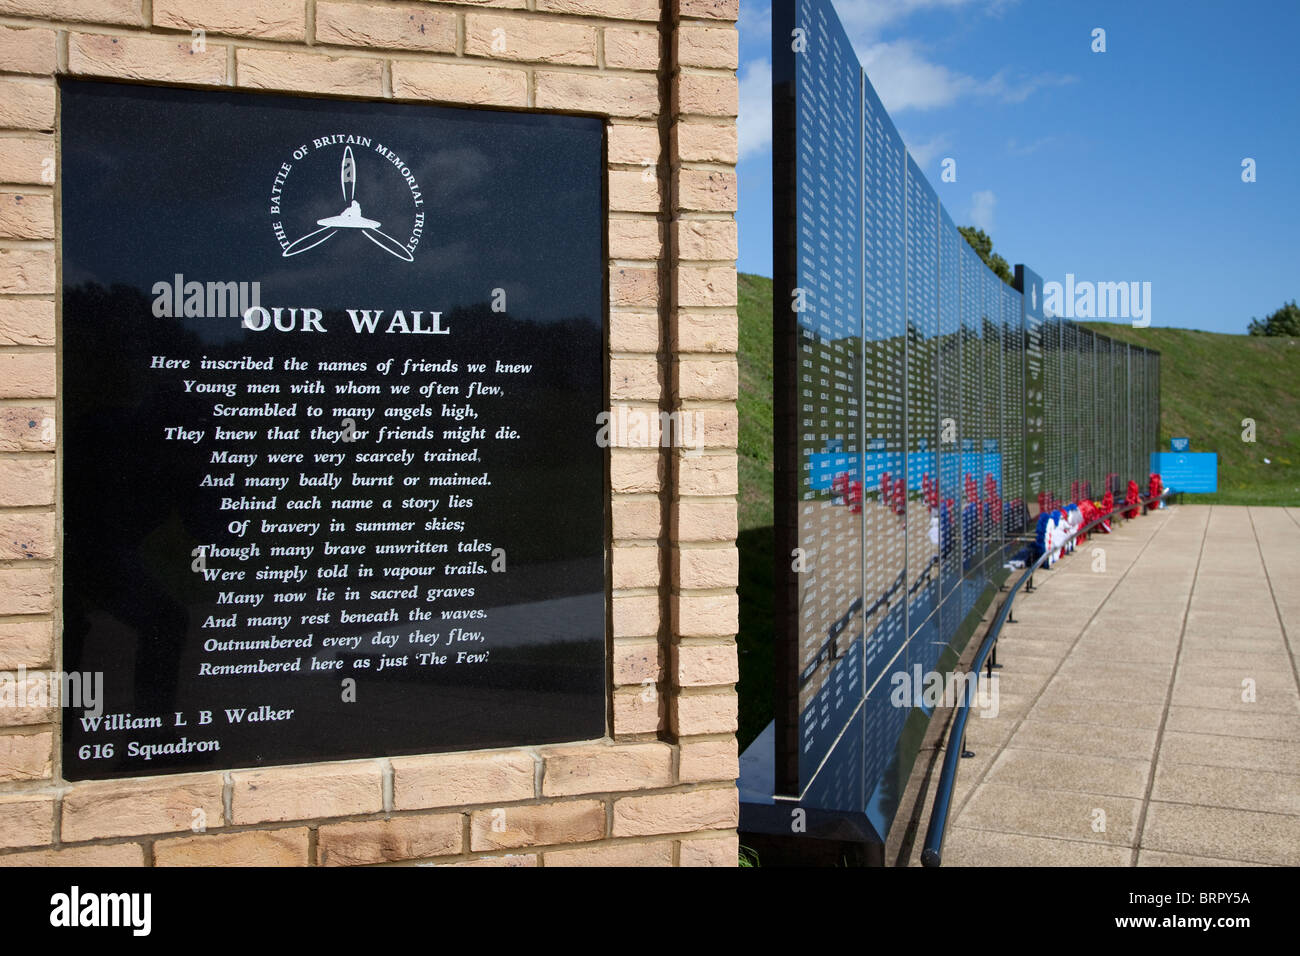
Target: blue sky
(1117, 166)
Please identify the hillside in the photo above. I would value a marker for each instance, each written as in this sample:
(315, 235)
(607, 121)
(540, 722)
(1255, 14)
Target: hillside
(1209, 383)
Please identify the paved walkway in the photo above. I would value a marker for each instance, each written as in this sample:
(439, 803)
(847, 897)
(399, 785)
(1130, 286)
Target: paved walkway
(1128, 733)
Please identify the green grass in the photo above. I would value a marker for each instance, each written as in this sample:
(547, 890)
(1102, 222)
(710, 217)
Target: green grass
(1209, 382)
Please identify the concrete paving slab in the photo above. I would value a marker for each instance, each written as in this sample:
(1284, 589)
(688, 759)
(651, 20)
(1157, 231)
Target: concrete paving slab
(970, 847)
(1056, 813)
(1084, 773)
(1228, 834)
(1215, 750)
(1072, 738)
(1227, 787)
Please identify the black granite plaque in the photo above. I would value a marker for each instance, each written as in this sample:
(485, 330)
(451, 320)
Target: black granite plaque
(331, 378)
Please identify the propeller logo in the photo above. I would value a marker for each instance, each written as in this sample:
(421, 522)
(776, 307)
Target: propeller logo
(350, 218)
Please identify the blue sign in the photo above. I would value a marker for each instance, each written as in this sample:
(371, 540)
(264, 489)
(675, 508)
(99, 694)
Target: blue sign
(1193, 472)
(1180, 444)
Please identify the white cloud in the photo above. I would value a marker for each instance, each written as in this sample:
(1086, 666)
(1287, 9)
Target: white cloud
(926, 152)
(755, 21)
(754, 125)
(981, 209)
(905, 79)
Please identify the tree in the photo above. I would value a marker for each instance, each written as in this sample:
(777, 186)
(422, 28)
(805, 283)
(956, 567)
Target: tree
(1285, 321)
(983, 244)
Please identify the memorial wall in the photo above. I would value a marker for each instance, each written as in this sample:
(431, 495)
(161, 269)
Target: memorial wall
(926, 413)
(367, 433)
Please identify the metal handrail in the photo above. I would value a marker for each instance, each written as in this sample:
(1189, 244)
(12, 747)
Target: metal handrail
(932, 852)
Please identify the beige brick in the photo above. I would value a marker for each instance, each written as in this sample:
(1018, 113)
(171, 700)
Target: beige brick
(617, 9)
(632, 425)
(26, 820)
(31, 697)
(681, 812)
(381, 841)
(720, 851)
(477, 85)
(633, 332)
(636, 616)
(576, 821)
(703, 521)
(529, 39)
(631, 49)
(636, 662)
(635, 519)
(708, 9)
(706, 285)
(26, 216)
(25, 534)
(714, 427)
(445, 780)
(634, 239)
(717, 47)
(27, 428)
(636, 711)
(706, 567)
(26, 104)
(87, 11)
(695, 141)
(633, 190)
(120, 854)
(302, 793)
(508, 860)
(286, 847)
(705, 760)
(658, 853)
(634, 567)
(705, 94)
(171, 58)
(713, 379)
(26, 375)
(705, 615)
(704, 665)
(705, 238)
(713, 713)
(608, 94)
(309, 72)
(28, 480)
(266, 19)
(631, 144)
(27, 159)
(27, 51)
(112, 808)
(26, 644)
(26, 270)
(26, 590)
(633, 378)
(633, 286)
(707, 475)
(635, 471)
(397, 26)
(26, 756)
(704, 331)
(27, 321)
(607, 769)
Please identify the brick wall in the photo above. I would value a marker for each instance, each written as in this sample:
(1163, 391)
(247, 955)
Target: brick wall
(659, 789)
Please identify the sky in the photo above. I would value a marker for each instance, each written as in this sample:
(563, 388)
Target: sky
(1117, 166)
